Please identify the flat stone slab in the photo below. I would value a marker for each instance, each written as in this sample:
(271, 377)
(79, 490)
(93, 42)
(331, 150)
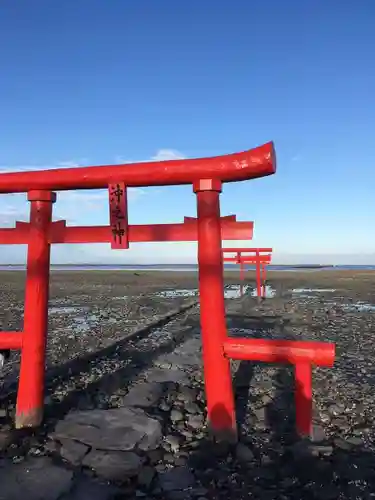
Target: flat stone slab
(162, 375)
(180, 360)
(120, 429)
(144, 394)
(34, 479)
(191, 346)
(114, 465)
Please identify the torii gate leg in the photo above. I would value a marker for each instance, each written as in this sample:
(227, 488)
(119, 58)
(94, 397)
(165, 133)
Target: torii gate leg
(217, 374)
(258, 279)
(30, 398)
(264, 280)
(242, 277)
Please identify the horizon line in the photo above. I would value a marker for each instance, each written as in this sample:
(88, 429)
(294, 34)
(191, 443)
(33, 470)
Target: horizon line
(114, 264)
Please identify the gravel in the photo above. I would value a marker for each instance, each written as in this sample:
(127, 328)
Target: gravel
(132, 424)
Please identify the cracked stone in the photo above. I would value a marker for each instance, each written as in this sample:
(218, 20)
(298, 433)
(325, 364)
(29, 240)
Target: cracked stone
(120, 429)
(73, 451)
(144, 395)
(114, 465)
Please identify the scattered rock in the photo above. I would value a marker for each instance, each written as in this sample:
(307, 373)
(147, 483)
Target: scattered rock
(176, 415)
(192, 408)
(318, 434)
(6, 437)
(195, 421)
(176, 479)
(144, 394)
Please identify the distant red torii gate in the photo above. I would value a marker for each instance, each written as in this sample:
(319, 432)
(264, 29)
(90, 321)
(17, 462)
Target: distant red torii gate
(261, 258)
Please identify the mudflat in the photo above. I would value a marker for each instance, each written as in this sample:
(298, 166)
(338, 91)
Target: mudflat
(124, 350)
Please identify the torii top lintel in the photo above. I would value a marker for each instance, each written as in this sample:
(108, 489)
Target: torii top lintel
(257, 162)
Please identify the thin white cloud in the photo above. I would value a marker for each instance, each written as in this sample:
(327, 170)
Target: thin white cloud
(168, 154)
(51, 166)
(296, 158)
(160, 155)
(76, 206)
(14, 207)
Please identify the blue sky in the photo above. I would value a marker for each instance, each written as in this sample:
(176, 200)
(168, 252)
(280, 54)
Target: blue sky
(97, 82)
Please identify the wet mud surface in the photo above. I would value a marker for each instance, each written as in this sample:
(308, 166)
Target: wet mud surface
(125, 416)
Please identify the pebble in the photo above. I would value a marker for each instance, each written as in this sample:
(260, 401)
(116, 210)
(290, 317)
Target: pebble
(195, 421)
(192, 408)
(176, 415)
(174, 443)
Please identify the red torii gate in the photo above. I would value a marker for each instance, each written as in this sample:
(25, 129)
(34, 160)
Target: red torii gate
(206, 175)
(259, 259)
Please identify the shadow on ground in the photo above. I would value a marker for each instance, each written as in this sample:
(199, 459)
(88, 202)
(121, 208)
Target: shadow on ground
(271, 461)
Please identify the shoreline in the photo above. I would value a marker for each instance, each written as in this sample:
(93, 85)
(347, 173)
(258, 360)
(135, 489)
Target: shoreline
(135, 269)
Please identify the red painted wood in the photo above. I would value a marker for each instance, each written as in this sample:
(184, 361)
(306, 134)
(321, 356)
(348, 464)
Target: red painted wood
(11, 340)
(257, 162)
(245, 256)
(118, 216)
(303, 398)
(30, 397)
(280, 351)
(60, 233)
(217, 374)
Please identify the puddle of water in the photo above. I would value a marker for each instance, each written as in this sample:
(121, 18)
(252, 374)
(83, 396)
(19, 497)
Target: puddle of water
(243, 332)
(81, 325)
(177, 293)
(359, 307)
(234, 291)
(313, 290)
(270, 292)
(124, 297)
(66, 309)
(84, 324)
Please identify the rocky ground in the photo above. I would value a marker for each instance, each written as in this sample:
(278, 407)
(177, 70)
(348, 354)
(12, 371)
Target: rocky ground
(125, 406)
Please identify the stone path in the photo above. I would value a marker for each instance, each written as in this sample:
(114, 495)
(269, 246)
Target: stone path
(122, 445)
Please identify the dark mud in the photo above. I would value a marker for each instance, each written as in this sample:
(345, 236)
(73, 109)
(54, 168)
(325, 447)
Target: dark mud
(128, 421)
